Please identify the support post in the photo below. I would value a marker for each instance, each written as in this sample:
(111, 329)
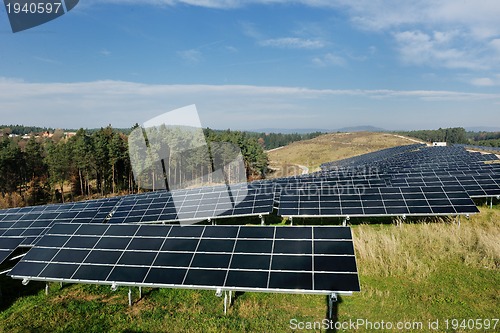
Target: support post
(291, 220)
(332, 299)
(491, 203)
(225, 302)
(459, 221)
(46, 288)
(230, 295)
(61, 285)
(262, 221)
(129, 296)
(140, 292)
(344, 223)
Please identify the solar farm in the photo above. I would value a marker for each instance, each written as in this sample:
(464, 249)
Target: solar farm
(203, 238)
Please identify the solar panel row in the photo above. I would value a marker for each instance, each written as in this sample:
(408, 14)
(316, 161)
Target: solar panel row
(292, 259)
(396, 201)
(191, 205)
(478, 186)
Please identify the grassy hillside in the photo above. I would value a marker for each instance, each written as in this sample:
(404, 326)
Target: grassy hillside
(329, 147)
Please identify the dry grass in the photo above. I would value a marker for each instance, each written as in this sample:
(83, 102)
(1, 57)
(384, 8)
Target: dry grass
(411, 250)
(330, 147)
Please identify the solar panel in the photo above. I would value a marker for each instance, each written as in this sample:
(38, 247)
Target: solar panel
(476, 186)
(316, 260)
(26, 225)
(8, 246)
(29, 223)
(192, 205)
(484, 148)
(395, 201)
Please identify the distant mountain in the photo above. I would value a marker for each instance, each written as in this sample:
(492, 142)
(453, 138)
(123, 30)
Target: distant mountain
(483, 129)
(290, 130)
(361, 129)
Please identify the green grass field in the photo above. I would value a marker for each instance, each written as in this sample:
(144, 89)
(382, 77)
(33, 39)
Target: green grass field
(413, 273)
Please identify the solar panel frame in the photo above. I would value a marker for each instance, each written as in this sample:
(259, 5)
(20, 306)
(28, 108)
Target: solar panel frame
(477, 186)
(379, 202)
(207, 268)
(195, 205)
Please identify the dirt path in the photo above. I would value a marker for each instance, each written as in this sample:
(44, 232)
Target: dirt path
(305, 170)
(410, 139)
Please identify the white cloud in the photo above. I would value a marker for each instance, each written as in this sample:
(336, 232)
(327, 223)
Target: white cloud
(473, 47)
(47, 60)
(495, 45)
(232, 49)
(328, 59)
(483, 82)
(191, 56)
(436, 50)
(105, 52)
(98, 103)
(480, 16)
(293, 43)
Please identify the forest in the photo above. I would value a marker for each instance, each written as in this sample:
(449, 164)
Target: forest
(89, 164)
(449, 135)
(457, 135)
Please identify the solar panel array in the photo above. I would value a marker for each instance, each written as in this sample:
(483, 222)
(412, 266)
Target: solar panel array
(29, 224)
(124, 240)
(195, 204)
(355, 202)
(370, 158)
(25, 226)
(483, 148)
(476, 186)
(307, 259)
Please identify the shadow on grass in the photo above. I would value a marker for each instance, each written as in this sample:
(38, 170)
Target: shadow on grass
(237, 294)
(11, 290)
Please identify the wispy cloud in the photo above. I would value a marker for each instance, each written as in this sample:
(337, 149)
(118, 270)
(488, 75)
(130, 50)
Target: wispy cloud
(191, 56)
(416, 26)
(293, 43)
(105, 52)
(231, 49)
(483, 82)
(490, 81)
(47, 60)
(436, 50)
(98, 103)
(250, 30)
(328, 59)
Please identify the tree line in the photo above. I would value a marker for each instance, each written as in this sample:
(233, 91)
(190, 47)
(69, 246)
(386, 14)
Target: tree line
(457, 135)
(92, 163)
(449, 135)
(275, 140)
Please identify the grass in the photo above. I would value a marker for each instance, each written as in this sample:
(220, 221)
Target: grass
(418, 272)
(329, 147)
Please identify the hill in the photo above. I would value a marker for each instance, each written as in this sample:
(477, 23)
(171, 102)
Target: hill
(365, 128)
(328, 147)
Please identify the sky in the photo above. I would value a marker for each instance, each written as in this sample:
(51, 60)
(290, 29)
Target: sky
(320, 64)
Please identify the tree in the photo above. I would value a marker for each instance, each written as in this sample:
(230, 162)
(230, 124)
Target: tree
(35, 171)
(58, 160)
(11, 166)
(83, 159)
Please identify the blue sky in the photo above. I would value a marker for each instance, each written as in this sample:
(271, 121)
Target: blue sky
(257, 64)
